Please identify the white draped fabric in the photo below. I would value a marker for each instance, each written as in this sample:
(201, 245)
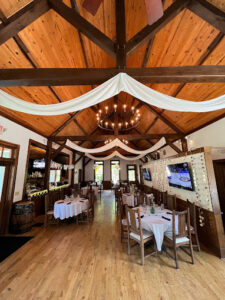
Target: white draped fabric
(115, 153)
(117, 143)
(120, 82)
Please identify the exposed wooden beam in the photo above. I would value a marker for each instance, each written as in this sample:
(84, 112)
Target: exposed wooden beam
(184, 144)
(23, 18)
(87, 162)
(147, 52)
(79, 158)
(165, 120)
(203, 58)
(209, 13)
(174, 147)
(58, 150)
(120, 34)
(149, 31)
(99, 138)
(89, 30)
(87, 76)
(67, 122)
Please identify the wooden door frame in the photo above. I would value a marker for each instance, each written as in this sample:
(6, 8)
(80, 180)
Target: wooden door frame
(9, 194)
(135, 170)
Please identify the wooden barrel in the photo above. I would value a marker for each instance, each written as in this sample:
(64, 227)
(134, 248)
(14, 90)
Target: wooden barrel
(22, 217)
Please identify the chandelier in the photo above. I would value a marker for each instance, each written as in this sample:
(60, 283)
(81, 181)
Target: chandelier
(125, 119)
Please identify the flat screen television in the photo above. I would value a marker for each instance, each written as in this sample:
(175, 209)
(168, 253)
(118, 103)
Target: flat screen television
(39, 164)
(147, 174)
(179, 176)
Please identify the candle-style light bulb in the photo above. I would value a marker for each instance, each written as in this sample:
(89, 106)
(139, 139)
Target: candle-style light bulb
(126, 123)
(120, 124)
(137, 111)
(115, 107)
(106, 109)
(124, 107)
(132, 122)
(113, 125)
(106, 124)
(100, 112)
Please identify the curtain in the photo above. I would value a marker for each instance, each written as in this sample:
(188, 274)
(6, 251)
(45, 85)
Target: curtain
(120, 82)
(116, 143)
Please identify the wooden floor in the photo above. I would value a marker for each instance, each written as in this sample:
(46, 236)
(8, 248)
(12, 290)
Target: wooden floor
(89, 262)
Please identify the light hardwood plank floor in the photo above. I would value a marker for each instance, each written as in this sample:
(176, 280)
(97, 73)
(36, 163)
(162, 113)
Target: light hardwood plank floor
(74, 262)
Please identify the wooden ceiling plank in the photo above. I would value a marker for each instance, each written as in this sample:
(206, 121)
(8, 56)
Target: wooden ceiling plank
(165, 120)
(87, 76)
(84, 26)
(120, 34)
(149, 31)
(68, 121)
(129, 137)
(203, 57)
(209, 13)
(23, 18)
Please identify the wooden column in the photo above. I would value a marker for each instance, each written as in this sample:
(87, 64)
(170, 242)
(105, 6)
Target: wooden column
(48, 164)
(184, 145)
(83, 168)
(218, 229)
(73, 170)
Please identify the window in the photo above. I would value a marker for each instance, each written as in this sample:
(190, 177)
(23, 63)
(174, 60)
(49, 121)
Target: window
(131, 172)
(5, 152)
(55, 176)
(115, 171)
(99, 171)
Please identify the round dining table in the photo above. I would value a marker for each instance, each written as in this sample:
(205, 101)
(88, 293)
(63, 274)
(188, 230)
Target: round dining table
(158, 223)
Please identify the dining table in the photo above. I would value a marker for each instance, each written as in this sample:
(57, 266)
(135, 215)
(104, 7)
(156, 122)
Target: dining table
(158, 223)
(70, 207)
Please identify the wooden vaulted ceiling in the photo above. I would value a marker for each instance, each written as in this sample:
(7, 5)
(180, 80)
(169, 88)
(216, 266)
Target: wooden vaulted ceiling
(51, 42)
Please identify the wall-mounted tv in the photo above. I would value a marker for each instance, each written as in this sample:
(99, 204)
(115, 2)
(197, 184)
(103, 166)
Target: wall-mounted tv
(179, 176)
(147, 174)
(39, 164)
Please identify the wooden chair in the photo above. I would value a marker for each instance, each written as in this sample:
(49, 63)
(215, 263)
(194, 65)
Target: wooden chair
(135, 233)
(49, 212)
(193, 222)
(181, 234)
(89, 213)
(171, 202)
(140, 198)
(123, 219)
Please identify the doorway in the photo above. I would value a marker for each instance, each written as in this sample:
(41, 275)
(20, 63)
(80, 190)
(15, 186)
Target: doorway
(8, 165)
(219, 169)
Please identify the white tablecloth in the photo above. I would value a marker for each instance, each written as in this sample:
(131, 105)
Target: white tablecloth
(85, 189)
(128, 199)
(158, 225)
(66, 209)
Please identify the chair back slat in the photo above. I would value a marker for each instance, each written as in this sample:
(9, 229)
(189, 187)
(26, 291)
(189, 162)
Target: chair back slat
(181, 223)
(132, 215)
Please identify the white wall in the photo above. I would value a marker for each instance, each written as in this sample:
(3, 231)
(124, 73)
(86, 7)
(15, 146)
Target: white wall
(76, 170)
(89, 171)
(212, 135)
(20, 135)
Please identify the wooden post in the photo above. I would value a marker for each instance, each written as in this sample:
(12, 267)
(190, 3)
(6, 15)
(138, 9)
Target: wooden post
(219, 230)
(73, 170)
(184, 145)
(83, 167)
(48, 164)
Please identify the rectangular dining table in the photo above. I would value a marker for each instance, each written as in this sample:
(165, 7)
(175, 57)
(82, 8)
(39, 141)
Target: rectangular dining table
(64, 209)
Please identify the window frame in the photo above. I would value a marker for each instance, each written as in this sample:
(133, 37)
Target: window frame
(111, 169)
(97, 161)
(135, 172)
